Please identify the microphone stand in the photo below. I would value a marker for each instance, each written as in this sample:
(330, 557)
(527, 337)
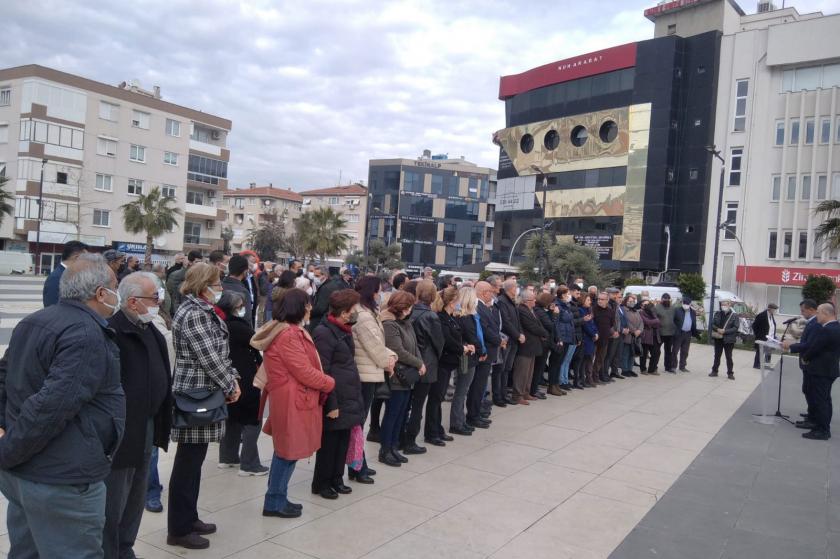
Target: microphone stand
(781, 370)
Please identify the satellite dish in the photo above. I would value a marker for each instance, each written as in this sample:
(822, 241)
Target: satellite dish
(160, 242)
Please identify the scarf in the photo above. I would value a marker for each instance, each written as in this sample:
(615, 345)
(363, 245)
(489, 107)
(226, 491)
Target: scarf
(346, 328)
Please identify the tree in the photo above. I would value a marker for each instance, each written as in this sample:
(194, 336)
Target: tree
(321, 234)
(268, 239)
(564, 261)
(379, 257)
(227, 236)
(151, 214)
(819, 288)
(7, 200)
(829, 230)
(692, 285)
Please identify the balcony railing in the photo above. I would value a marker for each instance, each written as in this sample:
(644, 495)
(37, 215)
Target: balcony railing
(196, 240)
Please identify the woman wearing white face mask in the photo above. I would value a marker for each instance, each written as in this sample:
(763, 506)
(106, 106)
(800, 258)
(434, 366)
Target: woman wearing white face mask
(243, 423)
(202, 368)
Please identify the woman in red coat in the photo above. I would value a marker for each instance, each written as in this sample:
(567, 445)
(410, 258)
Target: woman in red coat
(294, 387)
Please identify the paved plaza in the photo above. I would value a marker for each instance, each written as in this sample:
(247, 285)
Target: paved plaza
(610, 470)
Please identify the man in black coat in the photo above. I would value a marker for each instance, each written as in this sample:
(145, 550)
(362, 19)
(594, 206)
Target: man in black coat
(322, 297)
(62, 413)
(764, 325)
(491, 328)
(71, 250)
(235, 281)
(808, 308)
(512, 328)
(823, 366)
(146, 379)
(685, 327)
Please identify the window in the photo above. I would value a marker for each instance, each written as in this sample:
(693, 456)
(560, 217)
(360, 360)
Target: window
(693, 174)
(412, 205)
(351, 218)
(476, 234)
(412, 230)
(741, 90)
(813, 77)
(672, 29)
(437, 184)
(192, 232)
(4, 133)
(776, 190)
(787, 245)
(735, 166)
(472, 188)
(50, 133)
(239, 203)
(205, 169)
(109, 111)
(102, 218)
(819, 247)
(173, 128)
(835, 186)
(803, 245)
(821, 187)
(5, 96)
(106, 147)
(806, 187)
(731, 221)
(333, 201)
(168, 191)
(780, 132)
(170, 158)
(137, 153)
(809, 131)
(771, 248)
(139, 119)
(794, 131)
(61, 177)
(461, 210)
(837, 131)
(194, 197)
(825, 130)
(413, 182)
(104, 183)
(791, 188)
(789, 299)
(135, 187)
(449, 231)
(252, 201)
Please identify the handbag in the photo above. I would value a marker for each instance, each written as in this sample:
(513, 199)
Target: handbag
(717, 335)
(407, 375)
(356, 449)
(382, 390)
(198, 407)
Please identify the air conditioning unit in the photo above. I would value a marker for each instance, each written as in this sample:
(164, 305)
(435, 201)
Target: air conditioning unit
(210, 224)
(135, 123)
(215, 134)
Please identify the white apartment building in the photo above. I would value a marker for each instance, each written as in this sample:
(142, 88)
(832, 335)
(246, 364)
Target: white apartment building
(100, 146)
(349, 200)
(250, 208)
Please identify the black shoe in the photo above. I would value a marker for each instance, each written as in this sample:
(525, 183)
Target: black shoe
(462, 432)
(629, 374)
(389, 459)
(190, 541)
(539, 395)
(373, 436)
(672, 371)
(484, 415)
(578, 386)
(500, 403)
(817, 435)
(203, 528)
(435, 442)
(805, 415)
(731, 376)
(447, 438)
(413, 448)
(510, 402)
(713, 374)
(342, 489)
(327, 493)
(370, 471)
(154, 505)
(296, 506)
(479, 424)
(617, 375)
(684, 370)
(360, 477)
(396, 454)
(805, 425)
(287, 512)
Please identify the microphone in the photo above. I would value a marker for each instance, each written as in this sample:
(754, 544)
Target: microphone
(790, 320)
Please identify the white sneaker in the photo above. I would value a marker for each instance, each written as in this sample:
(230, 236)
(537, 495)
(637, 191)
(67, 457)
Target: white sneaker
(225, 466)
(260, 471)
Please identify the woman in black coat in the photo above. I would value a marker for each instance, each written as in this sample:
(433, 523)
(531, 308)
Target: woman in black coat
(345, 407)
(450, 359)
(544, 310)
(243, 424)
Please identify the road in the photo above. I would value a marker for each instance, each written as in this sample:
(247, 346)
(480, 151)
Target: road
(19, 296)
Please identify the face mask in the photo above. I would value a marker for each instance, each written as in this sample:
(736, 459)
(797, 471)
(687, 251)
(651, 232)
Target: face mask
(252, 268)
(457, 307)
(311, 275)
(631, 303)
(217, 295)
(149, 315)
(686, 307)
(161, 294)
(299, 272)
(309, 291)
(552, 285)
(379, 298)
(518, 291)
(115, 307)
(458, 284)
(724, 308)
(240, 312)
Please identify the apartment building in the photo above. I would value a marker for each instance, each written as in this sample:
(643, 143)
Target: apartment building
(100, 146)
(777, 127)
(349, 200)
(250, 208)
(440, 210)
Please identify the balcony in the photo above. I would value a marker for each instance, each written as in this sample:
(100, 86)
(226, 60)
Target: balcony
(193, 241)
(205, 147)
(207, 209)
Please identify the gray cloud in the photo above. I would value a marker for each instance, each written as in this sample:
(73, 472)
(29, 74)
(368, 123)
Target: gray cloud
(321, 86)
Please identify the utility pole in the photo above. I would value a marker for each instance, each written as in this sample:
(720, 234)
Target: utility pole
(716, 153)
(38, 267)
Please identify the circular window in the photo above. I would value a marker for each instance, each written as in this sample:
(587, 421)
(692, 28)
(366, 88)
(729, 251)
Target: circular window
(551, 140)
(608, 132)
(579, 135)
(526, 144)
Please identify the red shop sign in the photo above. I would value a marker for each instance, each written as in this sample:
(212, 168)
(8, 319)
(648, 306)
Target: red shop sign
(787, 275)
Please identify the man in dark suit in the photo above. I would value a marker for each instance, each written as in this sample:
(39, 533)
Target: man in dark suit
(764, 326)
(512, 328)
(823, 361)
(72, 249)
(808, 308)
(491, 328)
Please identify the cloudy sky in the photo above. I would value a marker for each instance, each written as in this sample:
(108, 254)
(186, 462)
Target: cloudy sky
(315, 89)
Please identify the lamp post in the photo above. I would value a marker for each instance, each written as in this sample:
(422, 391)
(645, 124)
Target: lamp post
(541, 173)
(38, 266)
(513, 247)
(716, 153)
(728, 228)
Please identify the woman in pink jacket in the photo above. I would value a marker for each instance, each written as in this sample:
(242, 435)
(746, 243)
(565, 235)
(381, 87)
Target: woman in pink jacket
(294, 388)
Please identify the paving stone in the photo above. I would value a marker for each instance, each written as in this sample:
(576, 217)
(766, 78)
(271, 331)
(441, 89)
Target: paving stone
(749, 545)
(647, 542)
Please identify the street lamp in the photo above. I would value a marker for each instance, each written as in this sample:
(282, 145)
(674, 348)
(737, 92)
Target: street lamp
(541, 172)
(728, 227)
(513, 247)
(38, 265)
(716, 153)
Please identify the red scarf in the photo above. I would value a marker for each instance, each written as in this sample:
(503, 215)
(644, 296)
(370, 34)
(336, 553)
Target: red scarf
(345, 327)
(219, 312)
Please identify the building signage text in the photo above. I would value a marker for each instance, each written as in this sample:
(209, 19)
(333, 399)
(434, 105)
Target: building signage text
(787, 275)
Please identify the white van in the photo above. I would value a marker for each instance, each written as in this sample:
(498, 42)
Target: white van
(16, 262)
(654, 291)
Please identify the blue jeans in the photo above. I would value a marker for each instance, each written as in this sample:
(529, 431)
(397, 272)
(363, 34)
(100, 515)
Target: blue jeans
(627, 355)
(564, 367)
(54, 521)
(154, 488)
(278, 483)
(396, 408)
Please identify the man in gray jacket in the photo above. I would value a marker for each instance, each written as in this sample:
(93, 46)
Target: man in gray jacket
(62, 416)
(665, 311)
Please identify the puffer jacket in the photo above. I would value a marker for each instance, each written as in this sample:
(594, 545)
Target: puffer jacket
(429, 339)
(564, 325)
(371, 353)
(335, 348)
(453, 340)
(590, 330)
(400, 338)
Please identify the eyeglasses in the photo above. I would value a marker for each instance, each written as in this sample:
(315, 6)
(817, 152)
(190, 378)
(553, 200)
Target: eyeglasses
(155, 298)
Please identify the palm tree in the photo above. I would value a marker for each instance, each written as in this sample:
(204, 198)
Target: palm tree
(7, 199)
(829, 230)
(321, 234)
(151, 214)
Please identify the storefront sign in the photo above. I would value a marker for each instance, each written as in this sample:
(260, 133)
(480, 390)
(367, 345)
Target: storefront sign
(429, 164)
(787, 275)
(130, 247)
(607, 60)
(671, 6)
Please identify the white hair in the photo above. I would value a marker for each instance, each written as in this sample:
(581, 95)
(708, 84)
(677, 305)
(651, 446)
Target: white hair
(132, 285)
(84, 276)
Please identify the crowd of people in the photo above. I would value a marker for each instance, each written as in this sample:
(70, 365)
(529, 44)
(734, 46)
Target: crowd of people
(125, 358)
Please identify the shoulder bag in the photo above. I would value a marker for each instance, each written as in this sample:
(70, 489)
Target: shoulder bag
(198, 407)
(406, 374)
(717, 335)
